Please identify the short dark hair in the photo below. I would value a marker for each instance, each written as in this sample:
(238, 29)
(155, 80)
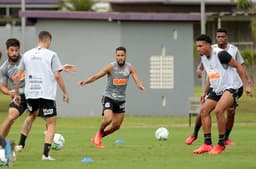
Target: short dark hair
(205, 38)
(12, 42)
(43, 35)
(222, 30)
(121, 48)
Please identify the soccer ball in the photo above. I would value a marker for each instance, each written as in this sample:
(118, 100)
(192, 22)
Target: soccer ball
(58, 141)
(161, 133)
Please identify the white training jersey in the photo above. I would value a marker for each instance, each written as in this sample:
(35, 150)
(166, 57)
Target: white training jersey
(234, 52)
(221, 77)
(40, 65)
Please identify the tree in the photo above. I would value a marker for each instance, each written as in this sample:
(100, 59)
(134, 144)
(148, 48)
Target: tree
(76, 5)
(244, 4)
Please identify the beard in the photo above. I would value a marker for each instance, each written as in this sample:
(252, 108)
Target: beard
(14, 58)
(121, 63)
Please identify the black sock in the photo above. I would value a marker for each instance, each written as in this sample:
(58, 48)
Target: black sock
(208, 139)
(227, 133)
(221, 140)
(196, 130)
(46, 149)
(22, 140)
(102, 132)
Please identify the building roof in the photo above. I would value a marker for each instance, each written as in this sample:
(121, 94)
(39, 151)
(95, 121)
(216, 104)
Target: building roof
(29, 1)
(111, 16)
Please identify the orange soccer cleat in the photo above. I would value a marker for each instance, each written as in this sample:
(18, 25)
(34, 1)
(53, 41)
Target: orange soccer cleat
(229, 142)
(190, 140)
(203, 149)
(97, 140)
(217, 149)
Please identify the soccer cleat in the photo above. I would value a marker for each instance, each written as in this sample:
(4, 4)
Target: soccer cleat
(217, 149)
(99, 145)
(203, 149)
(229, 142)
(49, 158)
(190, 139)
(19, 148)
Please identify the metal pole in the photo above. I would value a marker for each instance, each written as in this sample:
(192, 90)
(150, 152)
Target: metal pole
(203, 17)
(23, 25)
(203, 32)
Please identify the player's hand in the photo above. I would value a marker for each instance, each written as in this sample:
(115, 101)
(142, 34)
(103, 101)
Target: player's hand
(199, 73)
(142, 88)
(248, 90)
(202, 97)
(69, 68)
(66, 98)
(81, 83)
(16, 100)
(12, 93)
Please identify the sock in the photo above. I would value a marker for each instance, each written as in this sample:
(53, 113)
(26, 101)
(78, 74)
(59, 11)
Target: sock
(196, 130)
(102, 132)
(22, 140)
(227, 133)
(221, 140)
(46, 149)
(208, 139)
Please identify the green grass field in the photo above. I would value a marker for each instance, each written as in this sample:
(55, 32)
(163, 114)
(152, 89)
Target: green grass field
(140, 150)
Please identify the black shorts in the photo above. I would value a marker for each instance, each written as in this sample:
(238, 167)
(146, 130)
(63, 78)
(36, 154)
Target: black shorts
(114, 105)
(22, 107)
(45, 107)
(237, 93)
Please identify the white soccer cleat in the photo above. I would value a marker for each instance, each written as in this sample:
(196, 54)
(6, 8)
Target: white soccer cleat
(18, 148)
(49, 158)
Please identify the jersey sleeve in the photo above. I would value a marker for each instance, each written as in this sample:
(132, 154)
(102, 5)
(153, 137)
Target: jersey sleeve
(56, 64)
(239, 57)
(224, 57)
(3, 78)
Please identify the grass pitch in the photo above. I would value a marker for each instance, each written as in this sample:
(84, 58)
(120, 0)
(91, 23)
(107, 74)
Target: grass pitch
(140, 149)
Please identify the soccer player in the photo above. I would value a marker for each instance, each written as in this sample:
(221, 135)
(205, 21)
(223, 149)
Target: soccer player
(222, 88)
(7, 75)
(222, 44)
(114, 96)
(42, 67)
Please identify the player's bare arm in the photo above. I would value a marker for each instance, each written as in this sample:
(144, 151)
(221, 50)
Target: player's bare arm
(106, 70)
(61, 84)
(137, 79)
(205, 91)
(6, 91)
(17, 98)
(199, 70)
(69, 68)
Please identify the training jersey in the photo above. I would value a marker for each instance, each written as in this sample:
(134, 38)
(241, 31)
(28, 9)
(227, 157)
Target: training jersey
(40, 64)
(221, 76)
(234, 52)
(7, 71)
(117, 82)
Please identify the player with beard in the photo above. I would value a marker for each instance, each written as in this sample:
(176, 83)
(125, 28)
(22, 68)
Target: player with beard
(7, 85)
(114, 96)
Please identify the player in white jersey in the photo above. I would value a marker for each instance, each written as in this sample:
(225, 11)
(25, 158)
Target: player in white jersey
(222, 44)
(42, 67)
(7, 75)
(222, 89)
(114, 96)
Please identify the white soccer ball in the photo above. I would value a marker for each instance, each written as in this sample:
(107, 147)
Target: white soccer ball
(58, 141)
(162, 133)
